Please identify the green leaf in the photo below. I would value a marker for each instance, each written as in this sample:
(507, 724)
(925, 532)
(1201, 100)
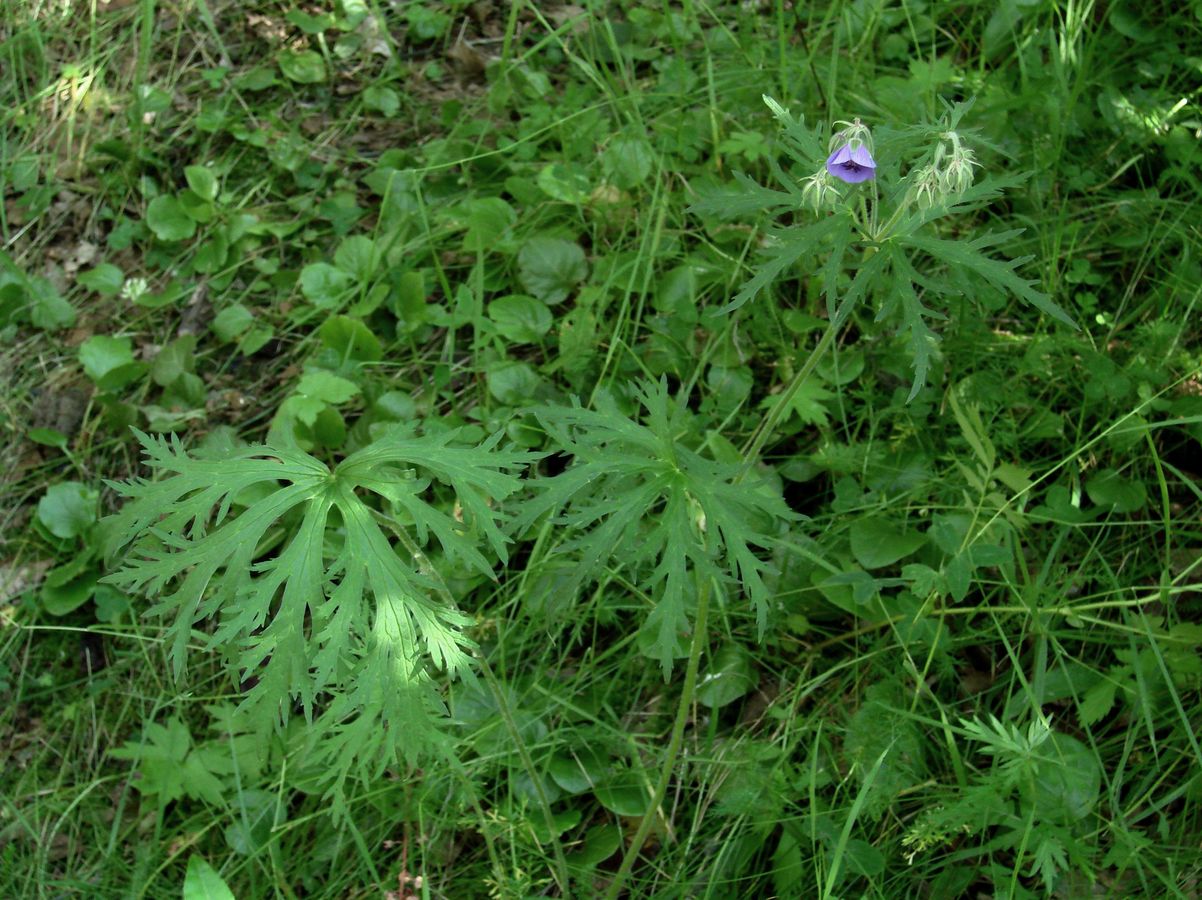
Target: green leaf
(383, 100)
(785, 248)
(174, 360)
(882, 733)
(628, 161)
(303, 67)
(327, 387)
(565, 182)
(110, 362)
(808, 401)
(1067, 780)
(623, 793)
(105, 279)
(169, 220)
(512, 382)
(257, 79)
(359, 257)
(349, 340)
(48, 309)
(520, 318)
(550, 268)
(580, 771)
(999, 273)
(324, 285)
(330, 606)
(231, 322)
(311, 24)
(1098, 701)
(202, 181)
(729, 676)
(255, 338)
(600, 843)
(488, 220)
(48, 437)
(69, 587)
(1112, 491)
(637, 495)
(876, 542)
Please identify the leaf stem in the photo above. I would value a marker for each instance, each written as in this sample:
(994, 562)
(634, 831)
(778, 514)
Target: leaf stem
(700, 630)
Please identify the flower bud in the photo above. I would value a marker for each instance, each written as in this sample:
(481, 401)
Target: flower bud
(928, 187)
(854, 134)
(956, 176)
(818, 191)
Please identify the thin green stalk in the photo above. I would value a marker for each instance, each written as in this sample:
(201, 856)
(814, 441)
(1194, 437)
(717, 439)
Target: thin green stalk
(784, 400)
(561, 863)
(682, 717)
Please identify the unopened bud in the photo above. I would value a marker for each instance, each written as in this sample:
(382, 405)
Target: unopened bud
(818, 191)
(928, 187)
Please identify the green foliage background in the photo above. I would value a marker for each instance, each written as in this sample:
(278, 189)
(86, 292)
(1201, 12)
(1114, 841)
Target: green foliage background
(445, 453)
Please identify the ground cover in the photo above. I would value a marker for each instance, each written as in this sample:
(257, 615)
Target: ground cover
(481, 450)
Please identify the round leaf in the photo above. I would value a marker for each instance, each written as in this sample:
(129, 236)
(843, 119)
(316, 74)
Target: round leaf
(550, 268)
(383, 100)
(349, 340)
(877, 543)
(169, 220)
(109, 361)
(106, 279)
(304, 67)
(512, 382)
(202, 181)
(520, 318)
(1109, 489)
(68, 509)
(324, 285)
(623, 793)
(628, 161)
(728, 678)
(565, 182)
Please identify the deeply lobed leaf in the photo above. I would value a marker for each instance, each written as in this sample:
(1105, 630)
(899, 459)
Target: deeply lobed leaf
(305, 588)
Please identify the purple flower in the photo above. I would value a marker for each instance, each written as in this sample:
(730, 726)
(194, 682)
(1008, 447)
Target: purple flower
(851, 165)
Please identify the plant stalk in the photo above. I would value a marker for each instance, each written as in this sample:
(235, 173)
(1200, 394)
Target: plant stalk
(700, 629)
(751, 450)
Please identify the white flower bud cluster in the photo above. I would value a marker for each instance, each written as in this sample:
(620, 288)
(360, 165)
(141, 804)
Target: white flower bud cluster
(957, 176)
(819, 192)
(134, 289)
(949, 174)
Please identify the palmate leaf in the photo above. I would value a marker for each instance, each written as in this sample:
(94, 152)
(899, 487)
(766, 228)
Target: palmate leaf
(922, 341)
(637, 497)
(786, 247)
(307, 592)
(998, 272)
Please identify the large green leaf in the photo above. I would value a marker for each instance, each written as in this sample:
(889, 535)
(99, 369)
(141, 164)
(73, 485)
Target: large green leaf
(636, 495)
(876, 542)
(305, 587)
(550, 268)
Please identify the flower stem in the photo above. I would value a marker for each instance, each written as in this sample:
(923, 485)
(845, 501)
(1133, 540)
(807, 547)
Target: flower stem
(700, 629)
(784, 400)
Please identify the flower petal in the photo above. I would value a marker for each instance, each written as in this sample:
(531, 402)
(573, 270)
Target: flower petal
(853, 174)
(839, 157)
(861, 157)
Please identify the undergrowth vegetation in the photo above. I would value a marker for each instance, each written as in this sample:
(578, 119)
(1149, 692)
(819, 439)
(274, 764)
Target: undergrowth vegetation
(463, 450)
